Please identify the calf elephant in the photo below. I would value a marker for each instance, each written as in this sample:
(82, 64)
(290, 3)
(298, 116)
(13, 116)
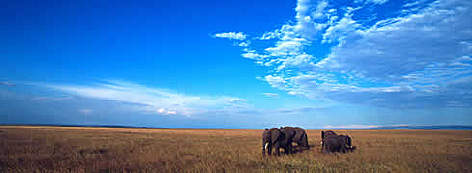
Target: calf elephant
(275, 138)
(297, 135)
(337, 143)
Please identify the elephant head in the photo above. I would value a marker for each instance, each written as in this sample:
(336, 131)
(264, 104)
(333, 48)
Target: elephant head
(348, 143)
(302, 138)
(271, 137)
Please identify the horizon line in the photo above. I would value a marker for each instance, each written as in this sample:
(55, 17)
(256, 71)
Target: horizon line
(391, 127)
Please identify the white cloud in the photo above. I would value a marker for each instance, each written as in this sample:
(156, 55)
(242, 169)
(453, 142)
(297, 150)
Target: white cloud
(166, 112)
(286, 47)
(253, 55)
(409, 59)
(320, 9)
(85, 111)
(414, 3)
(337, 32)
(231, 35)
(250, 55)
(377, 1)
(419, 47)
(275, 81)
(152, 100)
(416, 50)
(270, 35)
(61, 98)
(271, 95)
(244, 44)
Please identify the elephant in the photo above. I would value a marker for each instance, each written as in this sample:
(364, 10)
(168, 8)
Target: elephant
(274, 137)
(325, 134)
(337, 143)
(297, 135)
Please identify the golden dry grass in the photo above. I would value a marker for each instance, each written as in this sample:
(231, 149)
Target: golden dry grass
(70, 149)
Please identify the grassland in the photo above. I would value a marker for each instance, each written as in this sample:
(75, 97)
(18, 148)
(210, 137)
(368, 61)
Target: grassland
(71, 149)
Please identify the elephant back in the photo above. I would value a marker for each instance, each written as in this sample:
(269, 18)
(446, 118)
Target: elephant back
(276, 135)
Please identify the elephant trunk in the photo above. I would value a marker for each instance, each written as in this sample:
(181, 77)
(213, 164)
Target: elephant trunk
(265, 146)
(263, 149)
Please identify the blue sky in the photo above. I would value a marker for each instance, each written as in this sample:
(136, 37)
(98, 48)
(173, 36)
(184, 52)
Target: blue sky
(236, 64)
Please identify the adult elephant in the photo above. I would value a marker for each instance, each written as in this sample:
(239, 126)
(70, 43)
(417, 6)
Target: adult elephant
(274, 137)
(337, 143)
(297, 135)
(325, 134)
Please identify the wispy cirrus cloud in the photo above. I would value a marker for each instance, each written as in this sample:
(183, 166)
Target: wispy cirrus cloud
(413, 57)
(231, 35)
(271, 95)
(151, 100)
(85, 111)
(48, 98)
(376, 1)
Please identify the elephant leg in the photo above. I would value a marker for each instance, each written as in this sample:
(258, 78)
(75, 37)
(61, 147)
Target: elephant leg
(288, 149)
(332, 149)
(299, 146)
(325, 149)
(304, 145)
(277, 149)
(345, 149)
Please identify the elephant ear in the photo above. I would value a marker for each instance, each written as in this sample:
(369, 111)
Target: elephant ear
(275, 135)
(349, 142)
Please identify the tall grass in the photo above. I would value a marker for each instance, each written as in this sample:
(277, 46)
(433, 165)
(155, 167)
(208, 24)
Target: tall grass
(62, 149)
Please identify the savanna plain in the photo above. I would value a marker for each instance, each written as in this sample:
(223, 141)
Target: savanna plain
(79, 149)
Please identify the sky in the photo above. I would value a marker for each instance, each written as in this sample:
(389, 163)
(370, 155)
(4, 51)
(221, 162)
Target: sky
(236, 64)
